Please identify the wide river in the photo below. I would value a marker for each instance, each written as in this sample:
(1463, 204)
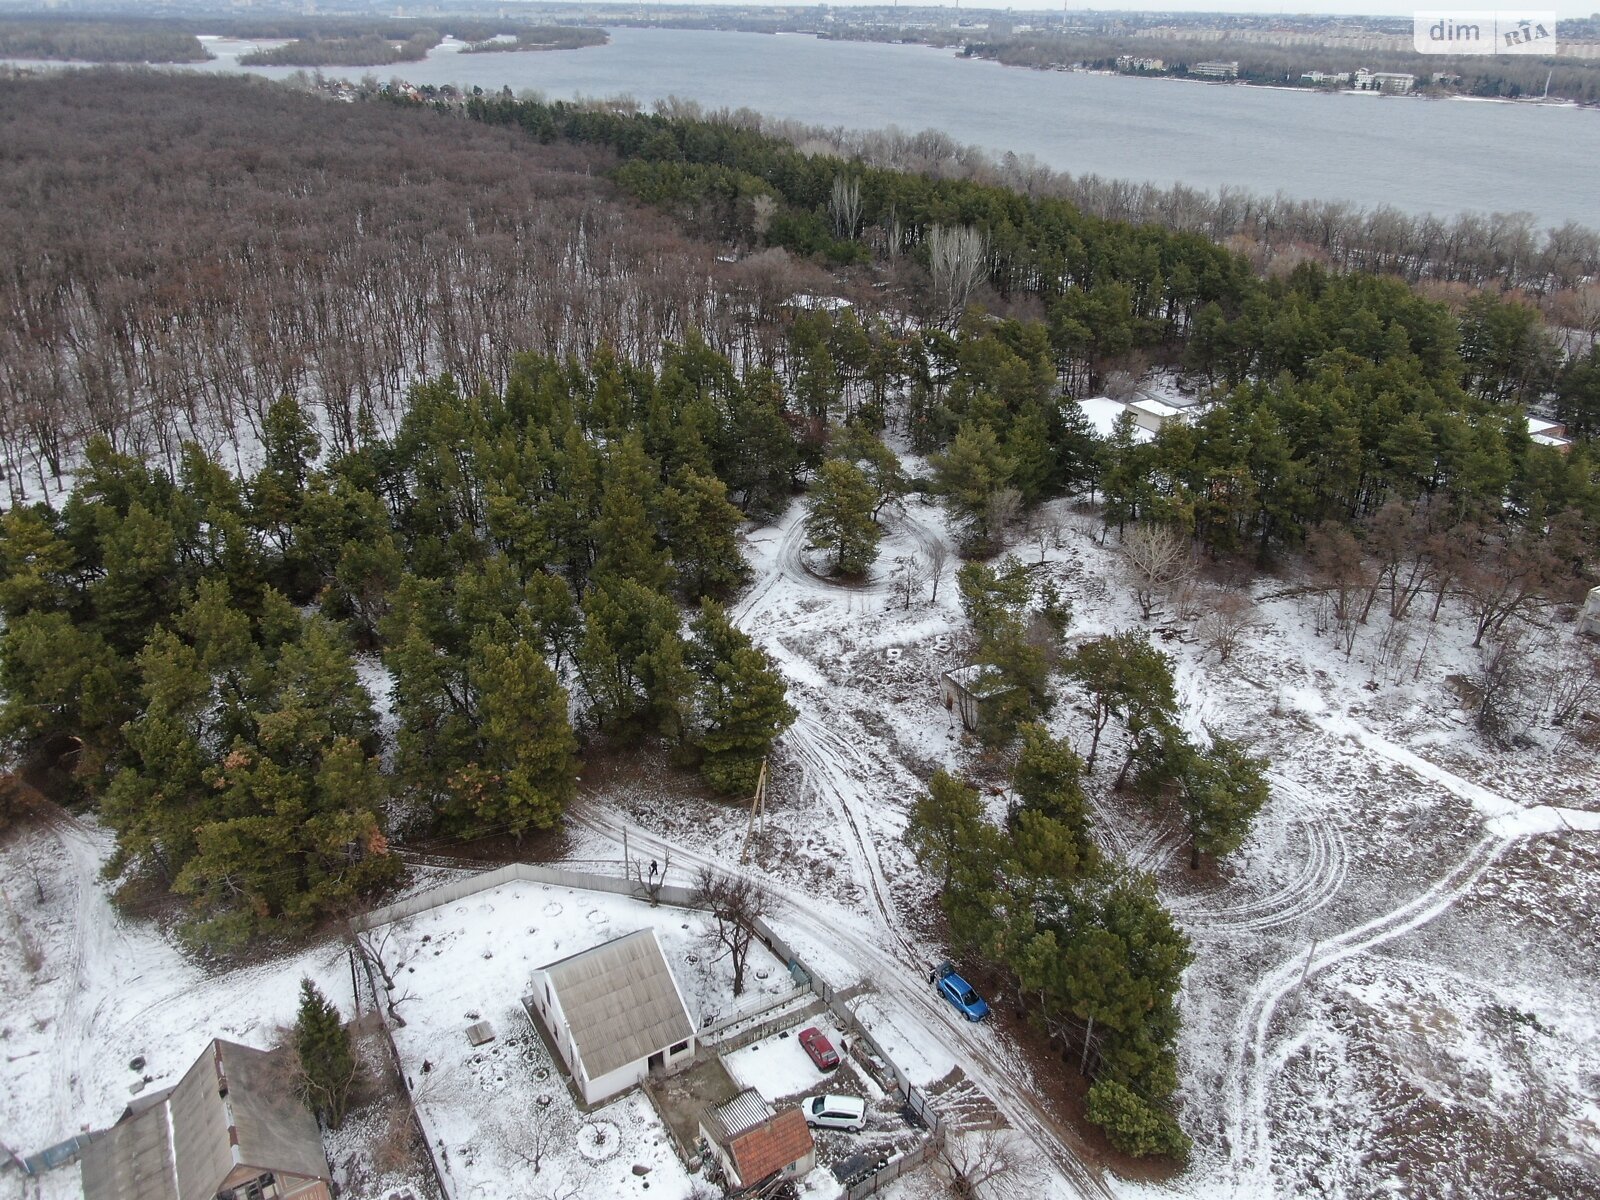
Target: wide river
(1418, 155)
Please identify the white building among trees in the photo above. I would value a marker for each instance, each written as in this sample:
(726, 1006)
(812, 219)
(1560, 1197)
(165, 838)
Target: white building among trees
(615, 1014)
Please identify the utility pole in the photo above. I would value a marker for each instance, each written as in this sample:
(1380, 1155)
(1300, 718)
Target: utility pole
(758, 807)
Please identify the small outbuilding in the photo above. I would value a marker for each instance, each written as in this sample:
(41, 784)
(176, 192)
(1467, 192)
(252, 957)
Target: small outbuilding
(1589, 618)
(968, 691)
(232, 1129)
(755, 1144)
(615, 1014)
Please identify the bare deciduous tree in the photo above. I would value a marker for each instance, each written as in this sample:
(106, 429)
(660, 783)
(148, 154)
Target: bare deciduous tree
(650, 876)
(1158, 556)
(1001, 511)
(1504, 578)
(989, 1163)
(958, 259)
(374, 949)
(735, 903)
(1339, 570)
(910, 573)
(938, 560)
(1044, 531)
(844, 205)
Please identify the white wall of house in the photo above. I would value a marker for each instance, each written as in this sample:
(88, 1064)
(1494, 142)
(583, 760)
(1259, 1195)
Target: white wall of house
(548, 1006)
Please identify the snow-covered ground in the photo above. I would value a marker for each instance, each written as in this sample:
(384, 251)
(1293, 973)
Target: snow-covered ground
(1398, 859)
(1393, 987)
(110, 988)
(491, 1111)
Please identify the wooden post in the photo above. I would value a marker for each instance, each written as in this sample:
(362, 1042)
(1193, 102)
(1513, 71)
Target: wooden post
(758, 805)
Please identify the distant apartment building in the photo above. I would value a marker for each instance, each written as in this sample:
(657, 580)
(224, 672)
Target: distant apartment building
(1395, 82)
(1129, 63)
(1325, 77)
(1215, 70)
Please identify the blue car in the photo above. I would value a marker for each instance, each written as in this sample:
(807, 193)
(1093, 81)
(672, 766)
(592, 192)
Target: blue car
(960, 993)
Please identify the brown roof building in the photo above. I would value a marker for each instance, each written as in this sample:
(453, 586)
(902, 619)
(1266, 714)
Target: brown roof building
(753, 1143)
(232, 1129)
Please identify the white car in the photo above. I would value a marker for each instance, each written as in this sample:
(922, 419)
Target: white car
(836, 1112)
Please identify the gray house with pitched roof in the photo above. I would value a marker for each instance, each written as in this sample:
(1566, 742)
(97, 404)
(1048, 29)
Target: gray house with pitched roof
(614, 1013)
(232, 1129)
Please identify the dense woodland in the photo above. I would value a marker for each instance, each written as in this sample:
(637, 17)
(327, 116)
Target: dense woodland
(123, 41)
(482, 394)
(366, 50)
(542, 37)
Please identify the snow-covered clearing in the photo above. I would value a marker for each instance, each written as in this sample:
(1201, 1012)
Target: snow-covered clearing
(110, 988)
(1398, 858)
(490, 1111)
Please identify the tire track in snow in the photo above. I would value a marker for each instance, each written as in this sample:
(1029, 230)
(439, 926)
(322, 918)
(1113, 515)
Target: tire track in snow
(1319, 876)
(1249, 1140)
(899, 975)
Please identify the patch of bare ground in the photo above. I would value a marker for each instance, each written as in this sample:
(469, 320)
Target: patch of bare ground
(1362, 1091)
(378, 1149)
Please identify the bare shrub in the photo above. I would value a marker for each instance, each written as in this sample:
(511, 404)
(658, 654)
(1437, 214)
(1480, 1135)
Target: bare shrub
(1574, 686)
(1502, 684)
(1228, 617)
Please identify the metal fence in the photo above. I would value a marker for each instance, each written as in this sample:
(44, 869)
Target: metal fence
(897, 1166)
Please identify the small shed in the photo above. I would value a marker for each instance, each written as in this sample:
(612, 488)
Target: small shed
(1589, 618)
(754, 1143)
(968, 690)
(615, 1013)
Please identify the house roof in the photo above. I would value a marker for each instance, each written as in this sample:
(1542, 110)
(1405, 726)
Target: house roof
(744, 1112)
(132, 1160)
(771, 1146)
(620, 1002)
(234, 1107)
(1102, 413)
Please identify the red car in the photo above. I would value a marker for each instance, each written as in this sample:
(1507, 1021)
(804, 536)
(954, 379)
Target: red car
(819, 1048)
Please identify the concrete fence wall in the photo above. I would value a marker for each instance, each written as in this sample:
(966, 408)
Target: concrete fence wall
(448, 893)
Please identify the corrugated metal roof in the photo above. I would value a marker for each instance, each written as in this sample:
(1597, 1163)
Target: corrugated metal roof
(620, 1002)
(745, 1111)
(276, 1131)
(771, 1146)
